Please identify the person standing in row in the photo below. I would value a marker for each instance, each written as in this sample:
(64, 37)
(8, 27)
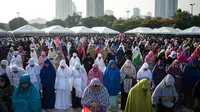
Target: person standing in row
(47, 76)
(112, 84)
(63, 86)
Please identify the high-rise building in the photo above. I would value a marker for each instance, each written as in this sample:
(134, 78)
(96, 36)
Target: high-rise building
(165, 8)
(108, 12)
(63, 9)
(136, 12)
(94, 8)
(74, 8)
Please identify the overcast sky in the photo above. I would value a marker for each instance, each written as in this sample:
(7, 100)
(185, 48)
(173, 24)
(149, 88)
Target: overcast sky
(31, 9)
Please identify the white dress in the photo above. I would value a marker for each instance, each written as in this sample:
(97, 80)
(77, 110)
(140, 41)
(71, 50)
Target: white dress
(100, 64)
(34, 73)
(63, 88)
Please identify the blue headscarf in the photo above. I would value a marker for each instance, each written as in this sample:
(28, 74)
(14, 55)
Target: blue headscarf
(26, 99)
(112, 79)
(48, 74)
(191, 74)
(113, 49)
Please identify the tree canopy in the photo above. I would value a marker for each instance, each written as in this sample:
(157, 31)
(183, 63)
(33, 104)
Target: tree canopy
(17, 22)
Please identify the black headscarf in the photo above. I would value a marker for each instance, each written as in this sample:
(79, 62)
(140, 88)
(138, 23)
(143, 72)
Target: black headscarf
(6, 79)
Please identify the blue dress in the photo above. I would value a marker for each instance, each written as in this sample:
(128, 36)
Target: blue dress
(26, 99)
(48, 75)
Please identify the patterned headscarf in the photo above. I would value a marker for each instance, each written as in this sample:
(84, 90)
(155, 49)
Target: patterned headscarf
(101, 96)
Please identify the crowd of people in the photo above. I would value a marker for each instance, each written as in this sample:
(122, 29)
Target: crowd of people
(144, 73)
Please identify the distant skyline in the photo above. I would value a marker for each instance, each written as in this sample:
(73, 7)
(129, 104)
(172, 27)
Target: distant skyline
(31, 9)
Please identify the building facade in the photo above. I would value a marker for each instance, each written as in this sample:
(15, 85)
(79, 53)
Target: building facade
(94, 8)
(63, 9)
(165, 8)
(136, 12)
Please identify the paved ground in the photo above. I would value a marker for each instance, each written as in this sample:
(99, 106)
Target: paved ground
(73, 110)
(70, 110)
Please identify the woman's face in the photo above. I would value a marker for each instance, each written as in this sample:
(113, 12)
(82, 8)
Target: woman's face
(24, 85)
(112, 66)
(168, 86)
(3, 66)
(95, 88)
(2, 83)
(46, 65)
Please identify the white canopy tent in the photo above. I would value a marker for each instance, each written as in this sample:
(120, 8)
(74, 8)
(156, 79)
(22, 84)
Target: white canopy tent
(165, 30)
(58, 30)
(191, 31)
(105, 30)
(142, 30)
(27, 29)
(3, 32)
(82, 30)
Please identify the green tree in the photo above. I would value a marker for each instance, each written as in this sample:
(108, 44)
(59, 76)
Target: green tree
(74, 20)
(92, 22)
(182, 19)
(2, 26)
(37, 25)
(107, 20)
(17, 22)
(55, 22)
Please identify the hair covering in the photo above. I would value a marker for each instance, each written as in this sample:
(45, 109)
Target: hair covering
(34, 55)
(101, 96)
(42, 59)
(61, 76)
(4, 62)
(31, 61)
(195, 55)
(136, 51)
(127, 70)
(26, 99)
(158, 73)
(138, 100)
(173, 54)
(144, 74)
(182, 57)
(98, 50)
(112, 79)
(95, 72)
(175, 68)
(150, 58)
(100, 63)
(113, 49)
(48, 76)
(162, 91)
(6, 79)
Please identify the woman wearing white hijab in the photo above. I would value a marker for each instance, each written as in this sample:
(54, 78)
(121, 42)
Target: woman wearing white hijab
(79, 82)
(165, 95)
(63, 86)
(136, 51)
(75, 59)
(52, 54)
(16, 73)
(121, 46)
(4, 68)
(144, 72)
(100, 62)
(33, 70)
(34, 55)
(16, 60)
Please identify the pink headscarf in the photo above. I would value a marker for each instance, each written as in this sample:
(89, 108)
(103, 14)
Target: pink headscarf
(182, 58)
(195, 55)
(95, 72)
(150, 57)
(98, 50)
(42, 58)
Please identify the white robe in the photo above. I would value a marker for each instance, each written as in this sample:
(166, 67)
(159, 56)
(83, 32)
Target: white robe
(14, 77)
(34, 73)
(16, 61)
(63, 88)
(144, 74)
(101, 64)
(73, 61)
(79, 80)
(34, 56)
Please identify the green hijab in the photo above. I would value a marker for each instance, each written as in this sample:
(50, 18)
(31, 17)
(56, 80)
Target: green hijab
(138, 100)
(136, 59)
